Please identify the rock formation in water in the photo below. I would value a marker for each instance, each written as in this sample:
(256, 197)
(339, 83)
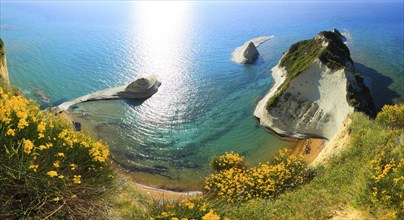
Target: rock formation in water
(248, 53)
(141, 88)
(3, 65)
(315, 88)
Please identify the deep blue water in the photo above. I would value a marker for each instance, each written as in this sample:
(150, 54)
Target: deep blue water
(204, 106)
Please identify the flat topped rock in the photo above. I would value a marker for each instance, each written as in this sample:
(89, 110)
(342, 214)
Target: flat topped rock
(141, 84)
(141, 88)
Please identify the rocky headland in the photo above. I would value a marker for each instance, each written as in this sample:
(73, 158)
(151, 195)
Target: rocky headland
(315, 87)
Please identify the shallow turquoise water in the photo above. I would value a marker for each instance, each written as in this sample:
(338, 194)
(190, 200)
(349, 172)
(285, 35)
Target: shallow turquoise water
(204, 106)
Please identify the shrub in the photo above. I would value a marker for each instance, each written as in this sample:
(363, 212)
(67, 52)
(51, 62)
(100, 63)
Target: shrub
(387, 179)
(47, 169)
(227, 161)
(392, 116)
(264, 181)
(193, 208)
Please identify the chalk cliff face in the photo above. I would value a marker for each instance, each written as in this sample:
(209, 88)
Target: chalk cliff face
(3, 65)
(315, 88)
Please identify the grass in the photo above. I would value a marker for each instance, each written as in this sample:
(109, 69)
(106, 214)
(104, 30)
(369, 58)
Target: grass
(372, 162)
(344, 182)
(46, 169)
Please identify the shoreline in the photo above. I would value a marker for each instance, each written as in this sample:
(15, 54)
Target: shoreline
(296, 146)
(153, 191)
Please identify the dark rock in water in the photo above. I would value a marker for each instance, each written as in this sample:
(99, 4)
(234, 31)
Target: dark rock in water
(76, 126)
(38, 93)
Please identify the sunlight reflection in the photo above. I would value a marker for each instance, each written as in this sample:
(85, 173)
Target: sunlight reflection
(163, 32)
(163, 46)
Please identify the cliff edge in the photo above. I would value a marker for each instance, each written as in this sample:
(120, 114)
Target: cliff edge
(3, 64)
(315, 88)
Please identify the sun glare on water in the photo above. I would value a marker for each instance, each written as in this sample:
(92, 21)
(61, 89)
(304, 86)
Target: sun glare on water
(163, 30)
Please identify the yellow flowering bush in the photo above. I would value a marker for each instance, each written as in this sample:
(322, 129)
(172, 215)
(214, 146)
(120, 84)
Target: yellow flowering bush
(192, 208)
(227, 161)
(46, 167)
(392, 116)
(387, 177)
(264, 181)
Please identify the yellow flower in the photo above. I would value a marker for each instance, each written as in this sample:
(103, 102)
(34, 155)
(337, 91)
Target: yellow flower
(211, 216)
(73, 196)
(56, 199)
(41, 127)
(72, 166)
(28, 146)
(56, 164)
(11, 132)
(22, 123)
(61, 154)
(61, 176)
(42, 147)
(174, 218)
(52, 173)
(41, 135)
(203, 207)
(33, 167)
(77, 179)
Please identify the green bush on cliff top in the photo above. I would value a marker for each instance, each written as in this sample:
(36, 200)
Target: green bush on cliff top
(1, 49)
(46, 169)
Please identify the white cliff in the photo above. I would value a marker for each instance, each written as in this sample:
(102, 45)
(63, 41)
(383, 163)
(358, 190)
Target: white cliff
(314, 101)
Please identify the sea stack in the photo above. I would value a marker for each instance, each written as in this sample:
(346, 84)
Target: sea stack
(248, 53)
(3, 65)
(315, 87)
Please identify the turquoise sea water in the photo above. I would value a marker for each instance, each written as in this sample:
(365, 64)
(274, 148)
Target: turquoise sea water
(205, 103)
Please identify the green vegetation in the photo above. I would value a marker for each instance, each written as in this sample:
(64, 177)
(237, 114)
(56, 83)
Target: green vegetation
(192, 208)
(46, 169)
(392, 116)
(367, 179)
(228, 161)
(359, 97)
(301, 56)
(267, 180)
(1, 49)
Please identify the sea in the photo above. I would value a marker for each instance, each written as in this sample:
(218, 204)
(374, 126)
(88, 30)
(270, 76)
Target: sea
(60, 50)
